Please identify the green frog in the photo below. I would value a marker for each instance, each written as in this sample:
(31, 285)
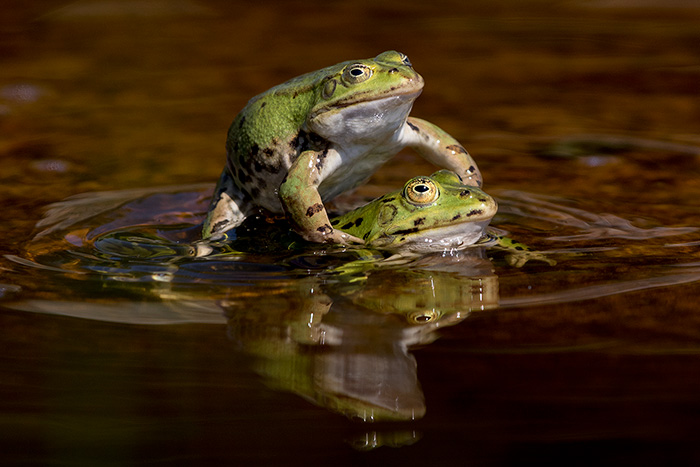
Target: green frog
(428, 214)
(306, 141)
(433, 214)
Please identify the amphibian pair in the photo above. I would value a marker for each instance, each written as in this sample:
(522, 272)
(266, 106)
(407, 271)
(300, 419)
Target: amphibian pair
(306, 141)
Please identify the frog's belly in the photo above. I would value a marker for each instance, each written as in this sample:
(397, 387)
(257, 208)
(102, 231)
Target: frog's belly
(351, 174)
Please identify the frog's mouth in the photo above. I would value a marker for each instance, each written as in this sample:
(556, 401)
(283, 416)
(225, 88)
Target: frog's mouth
(357, 120)
(397, 99)
(368, 103)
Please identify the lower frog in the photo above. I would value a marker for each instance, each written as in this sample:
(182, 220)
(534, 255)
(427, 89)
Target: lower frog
(433, 214)
(429, 214)
(304, 142)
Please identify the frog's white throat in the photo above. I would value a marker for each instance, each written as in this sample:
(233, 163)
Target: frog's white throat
(363, 122)
(451, 237)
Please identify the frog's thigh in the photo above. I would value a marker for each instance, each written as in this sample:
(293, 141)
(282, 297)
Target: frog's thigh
(226, 210)
(441, 149)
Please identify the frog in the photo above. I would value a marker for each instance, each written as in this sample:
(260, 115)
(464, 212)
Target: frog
(429, 214)
(300, 144)
(436, 213)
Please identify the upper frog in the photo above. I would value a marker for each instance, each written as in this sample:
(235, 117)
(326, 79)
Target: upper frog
(428, 214)
(318, 135)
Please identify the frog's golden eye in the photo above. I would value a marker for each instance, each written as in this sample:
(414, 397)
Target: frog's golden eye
(422, 316)
(421, 191)
(356, 73)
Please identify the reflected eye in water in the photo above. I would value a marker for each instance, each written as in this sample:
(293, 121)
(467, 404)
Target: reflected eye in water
(422, 316)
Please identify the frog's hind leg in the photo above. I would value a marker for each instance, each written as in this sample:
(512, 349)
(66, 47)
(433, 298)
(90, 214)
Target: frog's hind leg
(227, 209)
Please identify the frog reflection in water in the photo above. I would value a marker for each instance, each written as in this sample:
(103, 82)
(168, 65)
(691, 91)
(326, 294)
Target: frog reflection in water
(316, 136)
(346, 345)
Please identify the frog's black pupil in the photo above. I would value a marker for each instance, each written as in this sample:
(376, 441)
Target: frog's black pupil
(421, 188)
(422, 318)
(356, 71)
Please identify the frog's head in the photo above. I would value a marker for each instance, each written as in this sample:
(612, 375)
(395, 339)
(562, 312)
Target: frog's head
(429, 214)
(364, 99)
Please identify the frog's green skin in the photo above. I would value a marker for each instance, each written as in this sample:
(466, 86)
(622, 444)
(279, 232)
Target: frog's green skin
(428, 214)
(316, 136)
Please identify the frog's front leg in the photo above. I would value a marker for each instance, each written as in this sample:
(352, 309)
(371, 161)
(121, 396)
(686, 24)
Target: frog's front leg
(441, 149)
(303, 204)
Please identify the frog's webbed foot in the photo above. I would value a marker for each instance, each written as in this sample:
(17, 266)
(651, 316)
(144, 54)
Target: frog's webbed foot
(226, 210)
(328, 234)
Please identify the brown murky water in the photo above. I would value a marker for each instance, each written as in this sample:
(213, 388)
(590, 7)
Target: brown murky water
(584, 118)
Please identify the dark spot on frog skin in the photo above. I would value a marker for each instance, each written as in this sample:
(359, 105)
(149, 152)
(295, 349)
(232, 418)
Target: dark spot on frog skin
(219, 225)
(458, 149)
(519, 248)
(335, 222)
(263, 105)
(419, 221)
(358, 221)
(475, 212)
(346, 226)
(364, 237)
(413, 127)
(388, 200)
(257, 165)
(243, 177)
(483, 200)
(472, 169)
(464, 193)
(321, 159)
(241, 122)
(254, 192)
(316, 208)
(233, 170)
(254, 149)
(300, 142)
(405, 231)
(457, 216)
(325, 229)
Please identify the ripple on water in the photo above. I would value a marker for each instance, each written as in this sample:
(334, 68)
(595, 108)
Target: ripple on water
(144, 236)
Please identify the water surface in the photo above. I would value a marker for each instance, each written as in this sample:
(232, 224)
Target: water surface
(583, 117)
